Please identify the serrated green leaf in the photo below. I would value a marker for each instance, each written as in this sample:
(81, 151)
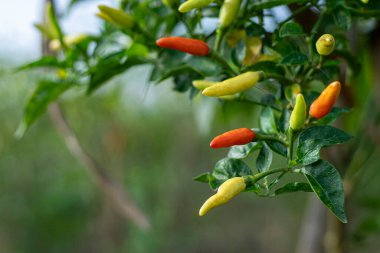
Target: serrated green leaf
(293, 187)
(328, 186)
(46, 92)
(295, 58)
(242, 151)
(313, 139)
(291, 29)
(228, 168)
(264, 159)
(268, 121)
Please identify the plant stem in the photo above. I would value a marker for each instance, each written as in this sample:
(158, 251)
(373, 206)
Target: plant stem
(251, 180)
(215, 56)
(218, 40)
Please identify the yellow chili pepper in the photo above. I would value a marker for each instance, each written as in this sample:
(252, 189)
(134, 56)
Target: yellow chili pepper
(117, 16)
(234, 85)
(203, 84)
(228, 12)
(193, 4)
(226, 191)
(325, 44)
(253, 46)
(298, 116)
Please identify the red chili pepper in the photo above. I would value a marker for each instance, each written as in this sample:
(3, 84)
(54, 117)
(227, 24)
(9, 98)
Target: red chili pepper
(190, 46)
(238, 136)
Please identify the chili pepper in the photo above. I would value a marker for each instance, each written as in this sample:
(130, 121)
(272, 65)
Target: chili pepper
(234, 85)
(238, 136)
(365, 1)
(104, 17)
(228, 12)
(325, 44)
(226, 191)
(324, 103)
(298, 116)
(193, 4)
(117, 16)
(190, 46)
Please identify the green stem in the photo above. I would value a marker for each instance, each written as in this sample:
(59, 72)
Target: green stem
(290, 147)
(215, 56)
(251, 180)
(218, 40)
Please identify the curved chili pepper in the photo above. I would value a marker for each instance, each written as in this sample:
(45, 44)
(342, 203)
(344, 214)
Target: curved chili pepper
(116, 16)
(193, 4)
(226, 191)
(298, 116)
(190, 46)
(228, 12)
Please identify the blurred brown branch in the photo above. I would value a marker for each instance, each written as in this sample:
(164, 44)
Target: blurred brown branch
(112, 189)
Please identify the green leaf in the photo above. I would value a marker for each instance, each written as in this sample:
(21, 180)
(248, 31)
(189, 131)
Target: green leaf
(111, 66)
(332, 116)
(269, 67)
(328, 186)
(204, 177)
(46, 61)
(278, 147)
(228, 168)
(294, 58)
(264, 159)
(291, 29)
(293, 187)
(342, 18)
(46, 92)
(268, 121)
(313, 139)
(242, 151)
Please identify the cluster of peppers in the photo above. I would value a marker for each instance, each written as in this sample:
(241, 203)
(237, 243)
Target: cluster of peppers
(230, 87)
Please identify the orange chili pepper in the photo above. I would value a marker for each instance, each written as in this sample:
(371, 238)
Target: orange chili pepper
(324, 103)
(238, 136)
(190, 46)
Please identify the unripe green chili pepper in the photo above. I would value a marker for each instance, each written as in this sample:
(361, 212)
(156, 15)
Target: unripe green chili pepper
(193, 4)
(226, 191)
(117, 16)
(238, 136)
(228, 12)
(234, 85)
(298, 116)
(325, 44)
(190, 46)
(324, 103)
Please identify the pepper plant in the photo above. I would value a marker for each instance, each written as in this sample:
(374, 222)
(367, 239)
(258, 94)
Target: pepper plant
(226, 50)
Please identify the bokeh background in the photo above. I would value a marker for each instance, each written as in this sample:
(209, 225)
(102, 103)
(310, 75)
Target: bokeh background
(153, 141)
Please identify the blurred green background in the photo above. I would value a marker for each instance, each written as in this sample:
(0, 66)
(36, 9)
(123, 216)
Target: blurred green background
(153, 141)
